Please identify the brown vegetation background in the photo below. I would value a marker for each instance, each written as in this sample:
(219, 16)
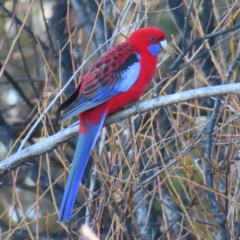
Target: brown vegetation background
(168, 173)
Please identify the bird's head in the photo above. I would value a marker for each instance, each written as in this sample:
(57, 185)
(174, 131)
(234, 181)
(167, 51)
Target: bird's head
(149, 39)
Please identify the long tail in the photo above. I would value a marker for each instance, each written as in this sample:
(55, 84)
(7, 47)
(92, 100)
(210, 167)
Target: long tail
(83, 150)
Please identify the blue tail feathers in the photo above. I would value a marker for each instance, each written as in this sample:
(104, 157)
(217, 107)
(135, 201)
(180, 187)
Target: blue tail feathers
(83, 150)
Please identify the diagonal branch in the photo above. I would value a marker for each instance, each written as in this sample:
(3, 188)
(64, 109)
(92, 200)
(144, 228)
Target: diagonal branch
(53, 141)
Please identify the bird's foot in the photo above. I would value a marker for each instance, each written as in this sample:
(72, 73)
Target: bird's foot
(137, 107)
(136, 104)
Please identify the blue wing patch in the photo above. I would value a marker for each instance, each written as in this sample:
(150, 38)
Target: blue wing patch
(102, 89)
(129, 77)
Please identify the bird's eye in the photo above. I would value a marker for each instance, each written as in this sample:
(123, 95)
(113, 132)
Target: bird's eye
(153, 39)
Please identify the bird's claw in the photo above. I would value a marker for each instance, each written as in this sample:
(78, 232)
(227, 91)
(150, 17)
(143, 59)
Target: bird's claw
(137, 107)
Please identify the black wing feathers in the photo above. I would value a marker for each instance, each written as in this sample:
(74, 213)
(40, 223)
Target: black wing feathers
(70, 100)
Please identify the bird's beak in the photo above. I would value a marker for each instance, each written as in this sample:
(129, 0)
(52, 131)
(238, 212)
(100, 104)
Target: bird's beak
(163, 43)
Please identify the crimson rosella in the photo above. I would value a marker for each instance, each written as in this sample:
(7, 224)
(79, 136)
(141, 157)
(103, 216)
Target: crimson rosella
(118, 78)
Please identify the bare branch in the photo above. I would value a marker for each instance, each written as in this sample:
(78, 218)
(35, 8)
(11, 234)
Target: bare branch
(62, 136)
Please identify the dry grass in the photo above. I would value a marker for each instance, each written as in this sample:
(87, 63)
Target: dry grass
(170, 173)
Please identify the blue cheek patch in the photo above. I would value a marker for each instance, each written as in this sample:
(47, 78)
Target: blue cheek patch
(154, 49)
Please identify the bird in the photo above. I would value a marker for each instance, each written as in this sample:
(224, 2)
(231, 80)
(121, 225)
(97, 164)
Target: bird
(118, 78)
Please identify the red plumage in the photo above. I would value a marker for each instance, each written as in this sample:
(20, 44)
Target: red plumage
(117, 79)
